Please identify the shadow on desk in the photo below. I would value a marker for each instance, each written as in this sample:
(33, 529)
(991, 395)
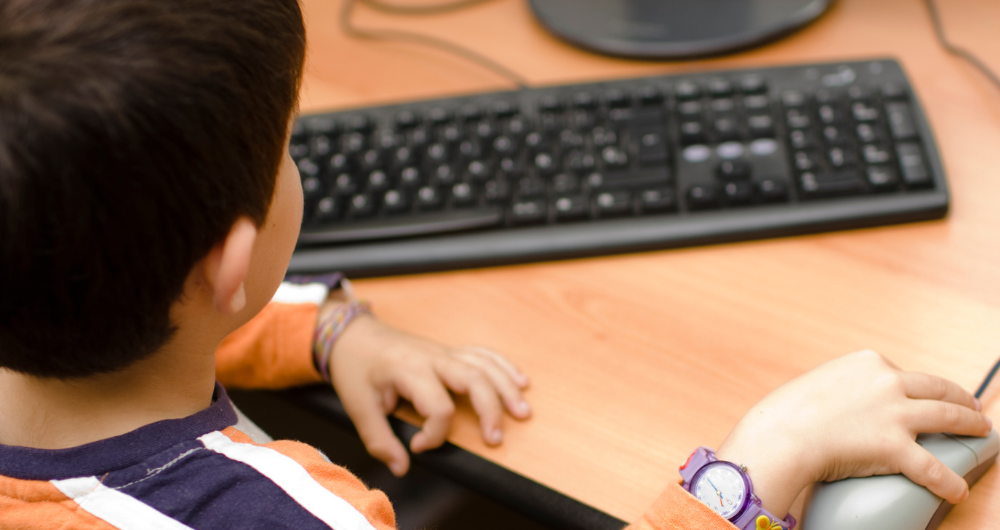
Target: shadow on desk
(446, 489)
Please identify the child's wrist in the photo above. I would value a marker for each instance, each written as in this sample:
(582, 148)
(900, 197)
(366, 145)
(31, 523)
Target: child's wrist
(334, 318)
(778, 471)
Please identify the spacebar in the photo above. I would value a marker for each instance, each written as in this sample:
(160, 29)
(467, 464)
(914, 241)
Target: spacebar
(403, 226)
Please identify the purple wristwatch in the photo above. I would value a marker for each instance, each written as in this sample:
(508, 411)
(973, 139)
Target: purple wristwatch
(726, 488)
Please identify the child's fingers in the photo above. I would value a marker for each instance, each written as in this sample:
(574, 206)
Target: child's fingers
(516, 374)
(369, 417)
(927, 415)
(466, 378)
(922, 467)
(510, 391)
(925, 386)
(432, 402)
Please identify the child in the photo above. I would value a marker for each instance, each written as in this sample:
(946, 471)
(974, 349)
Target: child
(149, 208)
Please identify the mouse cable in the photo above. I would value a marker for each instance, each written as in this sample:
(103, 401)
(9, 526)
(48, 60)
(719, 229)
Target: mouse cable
(348, 27)
(986, 382)
(958, 51)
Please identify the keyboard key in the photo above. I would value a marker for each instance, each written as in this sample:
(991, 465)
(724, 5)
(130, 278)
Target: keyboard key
(828, 184)
(395, 201)
(657, 200)
(687, 90)
(753, 84)
(584, 100)
(530, 187)
(479, 170)
(377, 181)
(613, 203)
(882, 177)
(756, 103)
(528, 212)
(579, 161)
(738, 193)
(360, 205)
(617, 98)
(345, 184)
(614, 157)
(726, 129)
(900, 121)
(723, 106)
(462, 194)
(410, 177)
(697, 153)
(565, 183)
(701, 197)
(438, 115)
(841, 158)
(730, 150)
(868, 133)
(406, 119)
(649, 95)
(719, 87)
(763, 147)
(864, 113)
(652, 147)
(760, 125)
(428, 198)
(733, 170)
(311, 187)
(327, 210)
(796, 119)
(911, 161)
(692, 133)
(772, 190)
(793, 99)
(571, 207)
(496, 191)
(800, 140)
(875, 154)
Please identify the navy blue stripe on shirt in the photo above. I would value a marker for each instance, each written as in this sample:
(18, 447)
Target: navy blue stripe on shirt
(204, 489)
(119, 452)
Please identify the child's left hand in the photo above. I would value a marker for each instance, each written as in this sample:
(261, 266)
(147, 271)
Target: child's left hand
(374, 364)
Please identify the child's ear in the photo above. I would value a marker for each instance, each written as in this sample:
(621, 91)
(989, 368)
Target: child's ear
(227, 264)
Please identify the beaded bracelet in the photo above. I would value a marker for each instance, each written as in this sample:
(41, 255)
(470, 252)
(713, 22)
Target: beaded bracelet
(332, 326)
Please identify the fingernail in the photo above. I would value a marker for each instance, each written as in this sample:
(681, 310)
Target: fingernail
(495, 436)
(397, 468)
(965, 496)
(523, 408)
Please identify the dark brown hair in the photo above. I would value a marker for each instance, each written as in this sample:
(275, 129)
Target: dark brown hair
(133, 133)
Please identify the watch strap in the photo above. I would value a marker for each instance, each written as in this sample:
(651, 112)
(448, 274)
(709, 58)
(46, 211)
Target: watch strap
(754, 517)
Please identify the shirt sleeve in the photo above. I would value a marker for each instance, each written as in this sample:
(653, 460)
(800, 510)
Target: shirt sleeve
(676, 509)
(274, 349)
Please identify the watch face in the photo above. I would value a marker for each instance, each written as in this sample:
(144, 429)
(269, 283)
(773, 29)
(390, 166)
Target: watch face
(721, 486)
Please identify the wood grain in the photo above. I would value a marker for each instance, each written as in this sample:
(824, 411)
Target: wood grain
(636, 359)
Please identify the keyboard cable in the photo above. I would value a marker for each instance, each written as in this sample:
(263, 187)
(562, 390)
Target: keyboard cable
(956, 50)
(348, 27)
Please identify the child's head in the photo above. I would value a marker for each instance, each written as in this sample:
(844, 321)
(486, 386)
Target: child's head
(133, 134)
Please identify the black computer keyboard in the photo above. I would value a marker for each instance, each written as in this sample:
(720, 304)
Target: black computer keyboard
(614, 166)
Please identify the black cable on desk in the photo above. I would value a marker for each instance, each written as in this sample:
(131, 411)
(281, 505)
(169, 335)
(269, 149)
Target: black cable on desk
(958, 51)
(348, 27)
(986, 382)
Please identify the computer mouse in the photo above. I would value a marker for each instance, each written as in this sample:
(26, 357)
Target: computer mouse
(893, 502)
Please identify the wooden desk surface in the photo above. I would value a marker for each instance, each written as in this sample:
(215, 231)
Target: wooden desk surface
(637, 359)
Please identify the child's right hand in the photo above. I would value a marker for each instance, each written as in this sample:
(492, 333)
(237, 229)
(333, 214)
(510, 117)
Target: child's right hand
(855, 416)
